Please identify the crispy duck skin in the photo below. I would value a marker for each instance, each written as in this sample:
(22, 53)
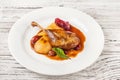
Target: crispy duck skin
(61, 38)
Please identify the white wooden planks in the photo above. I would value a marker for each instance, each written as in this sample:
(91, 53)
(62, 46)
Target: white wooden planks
(105, 12)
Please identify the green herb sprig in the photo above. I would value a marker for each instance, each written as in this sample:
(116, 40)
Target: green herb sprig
(60, 53)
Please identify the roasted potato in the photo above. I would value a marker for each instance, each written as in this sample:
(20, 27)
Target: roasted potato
(42, 45)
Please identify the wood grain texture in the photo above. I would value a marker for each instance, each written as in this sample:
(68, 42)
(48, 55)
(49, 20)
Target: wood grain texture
(105, 12)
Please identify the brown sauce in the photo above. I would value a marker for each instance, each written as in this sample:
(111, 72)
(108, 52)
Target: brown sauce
(71, 53)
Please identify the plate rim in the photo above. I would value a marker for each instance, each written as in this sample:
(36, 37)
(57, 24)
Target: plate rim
(40, 9)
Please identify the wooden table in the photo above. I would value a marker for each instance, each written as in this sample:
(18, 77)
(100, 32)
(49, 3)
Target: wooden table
(105, 12)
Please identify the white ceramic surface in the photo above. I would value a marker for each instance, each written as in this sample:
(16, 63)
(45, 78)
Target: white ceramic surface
(21, 33)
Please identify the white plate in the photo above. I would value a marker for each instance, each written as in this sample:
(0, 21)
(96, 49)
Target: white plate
(21, 33)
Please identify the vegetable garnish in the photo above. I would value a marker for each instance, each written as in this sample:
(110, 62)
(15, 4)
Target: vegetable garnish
(60, 53)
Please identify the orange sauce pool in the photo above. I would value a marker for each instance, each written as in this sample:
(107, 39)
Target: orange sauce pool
(73, 53)
(70, 53)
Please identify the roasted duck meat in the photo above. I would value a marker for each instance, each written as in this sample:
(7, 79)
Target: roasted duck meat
(61, 38)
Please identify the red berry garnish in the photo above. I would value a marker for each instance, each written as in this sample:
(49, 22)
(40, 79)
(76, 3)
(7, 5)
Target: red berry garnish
(63, 24)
